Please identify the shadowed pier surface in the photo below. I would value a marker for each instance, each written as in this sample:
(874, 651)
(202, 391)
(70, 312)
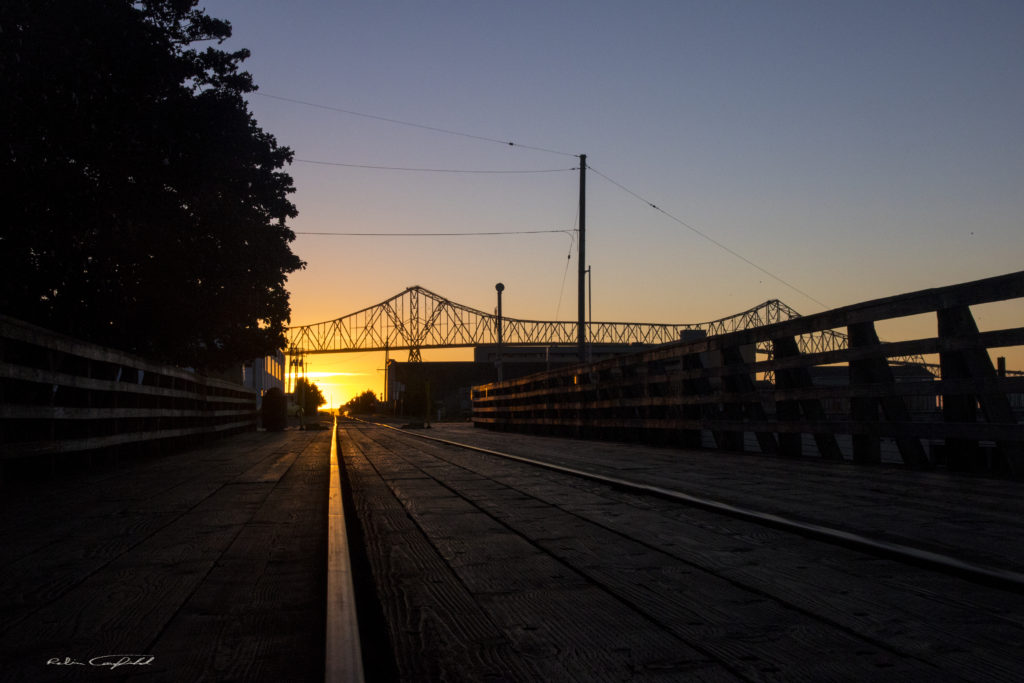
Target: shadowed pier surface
(489, 569)
(210, 561)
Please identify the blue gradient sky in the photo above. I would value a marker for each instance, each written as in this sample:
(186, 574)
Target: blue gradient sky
(853, 149)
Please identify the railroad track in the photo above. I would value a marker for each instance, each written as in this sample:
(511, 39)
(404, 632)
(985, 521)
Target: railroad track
(571, 574)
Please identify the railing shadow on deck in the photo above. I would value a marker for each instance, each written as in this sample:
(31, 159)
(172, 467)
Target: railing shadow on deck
(861, 403)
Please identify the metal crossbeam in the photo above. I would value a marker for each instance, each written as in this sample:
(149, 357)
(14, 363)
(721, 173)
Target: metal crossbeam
(419, 319)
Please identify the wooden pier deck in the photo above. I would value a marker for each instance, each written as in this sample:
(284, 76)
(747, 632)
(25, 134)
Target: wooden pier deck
(212, 565)
(203, 565)
(490, 569)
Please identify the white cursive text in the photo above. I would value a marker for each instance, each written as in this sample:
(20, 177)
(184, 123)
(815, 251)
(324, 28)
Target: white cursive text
(114, 661)
(67, 661)
(110, 661)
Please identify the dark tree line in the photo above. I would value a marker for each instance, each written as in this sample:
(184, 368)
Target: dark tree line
(144, 206)
(308, 396)
(364, 403)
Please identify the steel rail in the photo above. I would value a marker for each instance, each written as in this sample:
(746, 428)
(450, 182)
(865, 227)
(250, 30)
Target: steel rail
(343, 659)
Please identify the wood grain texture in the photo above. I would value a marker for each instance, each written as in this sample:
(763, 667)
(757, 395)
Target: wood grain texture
(560, 565)
(439, 632)
(211, 560)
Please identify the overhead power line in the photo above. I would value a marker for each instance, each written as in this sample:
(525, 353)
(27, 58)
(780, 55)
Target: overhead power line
(411, 124)
(509, 143)
(568, 260)
(431, 170)
(435, 234)
(707, 237)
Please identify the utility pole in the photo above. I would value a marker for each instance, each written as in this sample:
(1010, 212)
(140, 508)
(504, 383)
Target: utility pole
(581, 308)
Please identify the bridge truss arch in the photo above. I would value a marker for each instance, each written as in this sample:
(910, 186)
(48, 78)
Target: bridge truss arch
(418, 318)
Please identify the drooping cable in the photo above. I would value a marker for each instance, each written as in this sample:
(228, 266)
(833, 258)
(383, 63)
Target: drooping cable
(568, 260)
(432, 234)
(707, 237)
(429, 170)
(417, 125)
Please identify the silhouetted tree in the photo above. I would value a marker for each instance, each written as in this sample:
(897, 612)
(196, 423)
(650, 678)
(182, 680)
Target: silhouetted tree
(364, 403)
(143, 204)
(309, 396)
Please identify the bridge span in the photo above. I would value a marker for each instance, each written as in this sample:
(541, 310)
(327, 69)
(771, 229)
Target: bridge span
(418, 318)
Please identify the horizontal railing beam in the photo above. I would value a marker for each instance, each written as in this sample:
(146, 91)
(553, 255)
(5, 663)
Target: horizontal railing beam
(683, 389)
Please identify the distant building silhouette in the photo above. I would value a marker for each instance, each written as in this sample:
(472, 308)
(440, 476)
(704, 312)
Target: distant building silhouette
(260, 374)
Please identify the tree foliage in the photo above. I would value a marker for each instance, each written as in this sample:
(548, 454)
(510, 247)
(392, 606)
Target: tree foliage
(363, 404)
(308, 396)
(145, 206)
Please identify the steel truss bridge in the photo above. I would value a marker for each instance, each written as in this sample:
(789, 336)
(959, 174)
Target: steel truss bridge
(419, 319)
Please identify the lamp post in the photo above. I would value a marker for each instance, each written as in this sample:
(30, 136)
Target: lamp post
(500, 288)
(590, 315)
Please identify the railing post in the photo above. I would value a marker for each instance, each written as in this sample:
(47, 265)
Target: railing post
(698, 386)
(742, 383)
(730, 410)
(875, 370)
(972, 364)
(800, 378)
(867, 447)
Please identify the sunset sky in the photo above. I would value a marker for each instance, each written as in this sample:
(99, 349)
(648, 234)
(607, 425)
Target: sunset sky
(852, 150)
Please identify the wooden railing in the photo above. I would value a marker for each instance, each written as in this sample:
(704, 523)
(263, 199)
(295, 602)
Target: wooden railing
(854, 403)
(61, 395)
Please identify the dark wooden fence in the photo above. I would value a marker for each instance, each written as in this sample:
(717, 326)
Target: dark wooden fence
(852, 403)
(61, 395)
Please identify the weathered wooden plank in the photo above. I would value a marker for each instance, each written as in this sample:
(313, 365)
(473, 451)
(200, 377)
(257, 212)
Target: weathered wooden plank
(259, 612)
(999, 288)
(25, 412)
(16, 450)
(14, 329)
(42, 376)
(685, 595)
(270, 469)
(924, 430)
(114, 557)
(431, 617)
(876, 390)
(48, 550)
(37, 336)
(969, 518)
(544, 607)
(938, 627)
